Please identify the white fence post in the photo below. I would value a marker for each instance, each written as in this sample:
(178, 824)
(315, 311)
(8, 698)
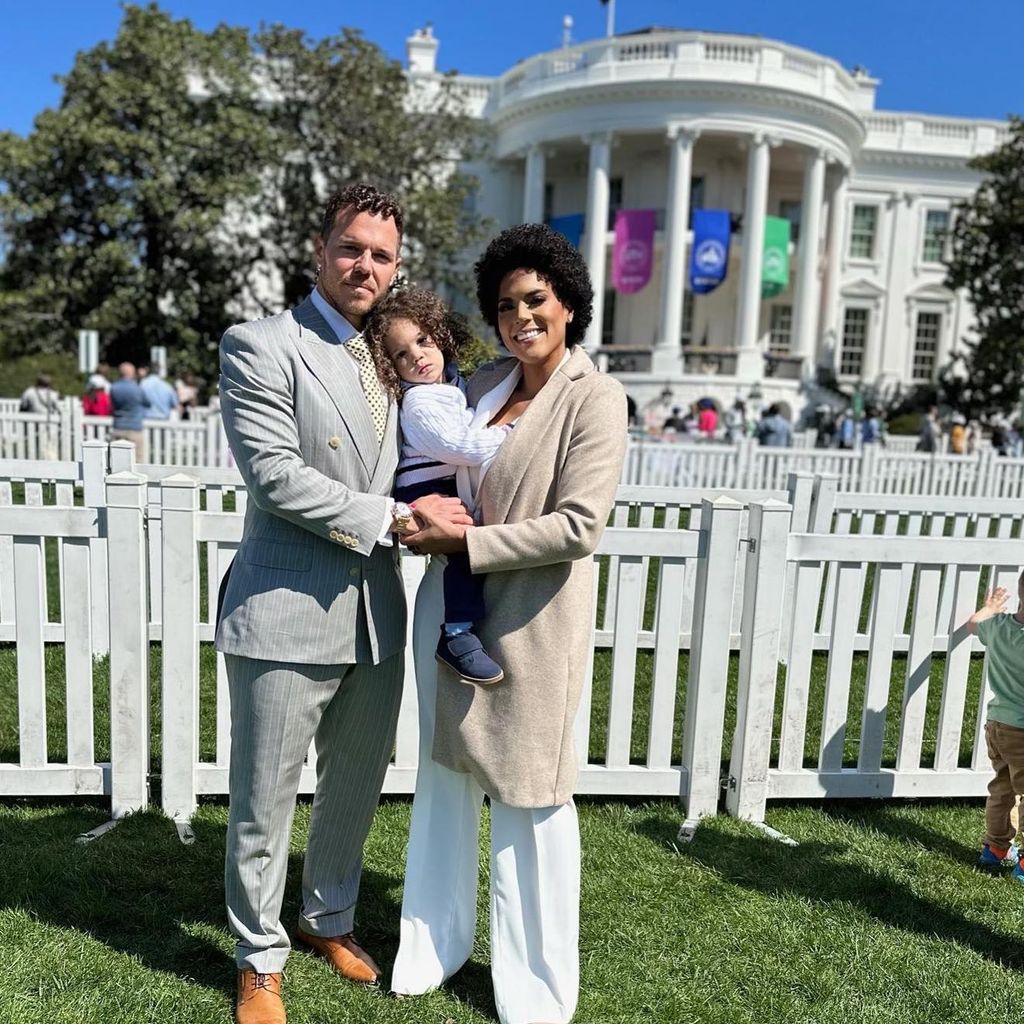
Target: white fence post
(800, 487)
(129, 644)
(122, 457)
(94, 470)
(704, 718)
(179, 498)
(747, 793)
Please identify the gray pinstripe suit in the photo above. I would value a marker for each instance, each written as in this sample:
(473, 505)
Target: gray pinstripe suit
(312, 623)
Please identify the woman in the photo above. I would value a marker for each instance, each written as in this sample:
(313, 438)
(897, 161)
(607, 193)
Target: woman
(543, 504)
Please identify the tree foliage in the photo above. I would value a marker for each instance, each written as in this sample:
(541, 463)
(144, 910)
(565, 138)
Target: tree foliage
(113, 207)
(988, 262)
(177, 186)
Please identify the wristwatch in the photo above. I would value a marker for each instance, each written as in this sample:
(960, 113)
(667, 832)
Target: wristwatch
(402, 515)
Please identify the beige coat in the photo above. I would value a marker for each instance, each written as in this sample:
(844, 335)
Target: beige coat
(544, 503)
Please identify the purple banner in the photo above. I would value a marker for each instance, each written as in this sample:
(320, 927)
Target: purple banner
(633, 256)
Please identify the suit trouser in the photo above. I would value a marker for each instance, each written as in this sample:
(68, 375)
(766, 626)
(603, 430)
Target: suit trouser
(535, 877)
(276, 711)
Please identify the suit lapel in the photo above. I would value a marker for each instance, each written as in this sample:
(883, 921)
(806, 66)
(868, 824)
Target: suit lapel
(338, 373)
(513, 458)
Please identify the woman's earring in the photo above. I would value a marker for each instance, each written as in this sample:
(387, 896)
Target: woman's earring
(316, 274)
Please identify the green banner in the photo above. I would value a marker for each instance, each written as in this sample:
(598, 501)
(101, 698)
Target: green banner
(775, 261)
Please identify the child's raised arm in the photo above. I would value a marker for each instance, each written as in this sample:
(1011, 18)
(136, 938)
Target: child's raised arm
(994, 604)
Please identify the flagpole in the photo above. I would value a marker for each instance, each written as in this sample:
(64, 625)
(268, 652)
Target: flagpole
(611, 18)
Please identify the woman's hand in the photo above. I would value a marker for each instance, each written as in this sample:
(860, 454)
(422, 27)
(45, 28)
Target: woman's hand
(443, 523)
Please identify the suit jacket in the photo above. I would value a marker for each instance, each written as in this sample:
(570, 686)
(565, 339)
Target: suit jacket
(310, 584)
(544, 504)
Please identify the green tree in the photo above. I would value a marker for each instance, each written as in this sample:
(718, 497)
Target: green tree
(987, 261)
(342, 111)
(126, 208)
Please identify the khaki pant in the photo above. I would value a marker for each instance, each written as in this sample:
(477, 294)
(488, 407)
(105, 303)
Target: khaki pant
(137, 438)
(1006, 752)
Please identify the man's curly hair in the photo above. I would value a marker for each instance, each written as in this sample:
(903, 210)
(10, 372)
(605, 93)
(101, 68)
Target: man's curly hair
(447, 329)
(362, 198)
(550, 256)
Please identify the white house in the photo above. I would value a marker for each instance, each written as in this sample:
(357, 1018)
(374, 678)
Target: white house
(681, 120)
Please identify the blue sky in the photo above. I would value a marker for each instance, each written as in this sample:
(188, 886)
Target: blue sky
(933, 56)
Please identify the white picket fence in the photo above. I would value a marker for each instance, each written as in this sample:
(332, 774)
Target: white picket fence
(59, 436)
(782, 578)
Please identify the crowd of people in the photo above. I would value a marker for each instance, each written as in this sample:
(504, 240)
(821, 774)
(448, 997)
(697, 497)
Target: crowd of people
(952, 433)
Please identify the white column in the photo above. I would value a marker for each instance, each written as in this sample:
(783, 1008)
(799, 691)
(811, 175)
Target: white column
(596, 249)
(748, 313)
(834, 272)
(667, 357)
(533, 189)
(805, 327)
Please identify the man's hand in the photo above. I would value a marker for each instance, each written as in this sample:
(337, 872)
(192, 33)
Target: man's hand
(443, 526)
(995, 604)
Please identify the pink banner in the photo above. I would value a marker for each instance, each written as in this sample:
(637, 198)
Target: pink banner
(633, 256)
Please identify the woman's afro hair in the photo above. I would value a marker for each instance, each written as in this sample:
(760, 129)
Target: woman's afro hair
(552, 257)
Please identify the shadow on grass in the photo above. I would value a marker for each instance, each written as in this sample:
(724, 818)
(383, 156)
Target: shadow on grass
(141, 892)
(816, 871)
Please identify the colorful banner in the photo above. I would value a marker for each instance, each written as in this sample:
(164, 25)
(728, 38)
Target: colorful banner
(709, 260)
(775, 261)
(633, 255)
(571, 225)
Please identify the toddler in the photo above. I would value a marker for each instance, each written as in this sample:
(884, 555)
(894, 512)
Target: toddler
(414, 338)
(1003, 637)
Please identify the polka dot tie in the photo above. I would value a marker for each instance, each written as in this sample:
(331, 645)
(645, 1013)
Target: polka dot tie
(372, 389)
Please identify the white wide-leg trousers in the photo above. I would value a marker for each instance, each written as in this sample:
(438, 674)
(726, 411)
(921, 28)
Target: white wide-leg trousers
(535, 874)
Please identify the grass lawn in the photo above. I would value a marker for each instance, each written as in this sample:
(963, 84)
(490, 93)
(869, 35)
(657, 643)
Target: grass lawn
(876, 916)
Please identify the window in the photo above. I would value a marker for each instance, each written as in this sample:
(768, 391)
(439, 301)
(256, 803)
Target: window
(614, 200)
(608, 323)
(549, 201)
(862, 232)
(789, 209)
(855, 337)
(696, 197)
(926, 345)
(781, 333)
(686, 329)
(936, 227)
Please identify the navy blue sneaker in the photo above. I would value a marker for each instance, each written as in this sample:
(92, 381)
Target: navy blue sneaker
(464, 654)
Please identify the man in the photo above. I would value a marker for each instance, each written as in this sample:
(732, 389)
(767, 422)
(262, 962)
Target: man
(931, 431)
(774, 430)
(312, 621)
(163, 399)
(129, 402)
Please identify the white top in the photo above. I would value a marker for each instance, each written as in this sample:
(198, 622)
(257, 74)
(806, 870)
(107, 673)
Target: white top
(439, 433)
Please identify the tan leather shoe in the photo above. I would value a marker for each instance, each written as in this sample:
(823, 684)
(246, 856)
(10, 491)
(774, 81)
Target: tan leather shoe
(259, 999)
(344, 954)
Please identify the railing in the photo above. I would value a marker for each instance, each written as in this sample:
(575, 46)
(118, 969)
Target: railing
(667, 55)
(921, 133)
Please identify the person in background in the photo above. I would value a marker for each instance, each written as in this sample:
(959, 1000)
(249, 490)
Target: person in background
(825, 426)
(676, 422)
(973, 437)
(96, 400)
(847, 430)
(957, 434)
(129, 403)
(872, 428)
(736, 422)
(188, 394)
(931, 431)
(163, 400)
(40, 397)
(707, 422)
(774, 430)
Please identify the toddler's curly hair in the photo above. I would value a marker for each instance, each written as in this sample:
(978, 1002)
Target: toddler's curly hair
(446, 328)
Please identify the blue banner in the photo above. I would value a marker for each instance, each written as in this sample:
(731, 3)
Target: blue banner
(570, 225)
(709, 259)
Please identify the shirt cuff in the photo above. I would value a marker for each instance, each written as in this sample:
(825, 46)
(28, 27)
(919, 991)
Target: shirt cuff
(386, 537)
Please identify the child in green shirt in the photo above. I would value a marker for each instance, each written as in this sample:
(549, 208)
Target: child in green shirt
(1003, 637)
